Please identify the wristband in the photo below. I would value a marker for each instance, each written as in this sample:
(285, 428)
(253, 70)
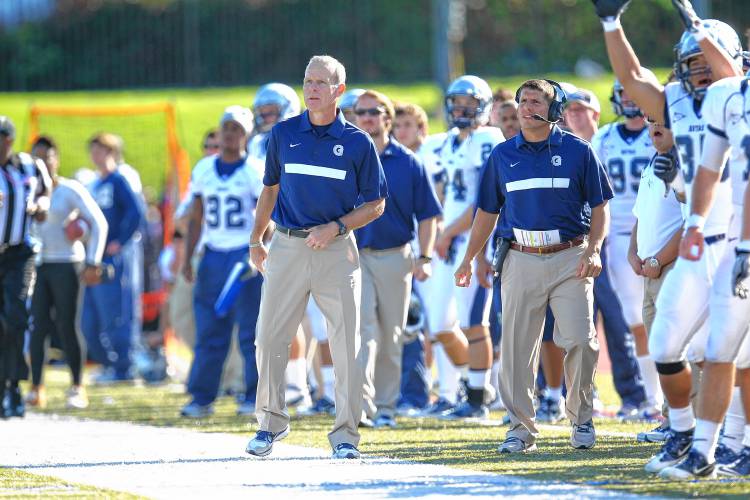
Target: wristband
(611, 24)
(425, 257)
(696, 221)
(743, 246)
(257, 244)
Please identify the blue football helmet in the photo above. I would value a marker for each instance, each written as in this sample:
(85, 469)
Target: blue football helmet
(280, 95)
(475, 87)
(688, 48)
(616, 98)
(349, 98)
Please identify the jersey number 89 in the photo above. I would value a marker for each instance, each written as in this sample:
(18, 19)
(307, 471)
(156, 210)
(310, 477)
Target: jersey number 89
(616, 170)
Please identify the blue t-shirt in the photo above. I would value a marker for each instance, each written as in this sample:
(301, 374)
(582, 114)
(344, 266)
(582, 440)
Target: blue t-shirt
(120, 206)
(411, 199)
(548, 189)
(321, 178)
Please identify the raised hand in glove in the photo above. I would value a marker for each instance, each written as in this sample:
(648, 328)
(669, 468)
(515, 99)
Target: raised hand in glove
(687, 14)
(610, 10)
(741, 274)
(666, 167)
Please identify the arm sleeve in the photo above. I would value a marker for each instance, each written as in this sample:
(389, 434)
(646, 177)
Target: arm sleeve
(272, 173)
(597, 188)
(132, 212)
(426, 204)
(370, 176)
(490, 197)
(91, 212)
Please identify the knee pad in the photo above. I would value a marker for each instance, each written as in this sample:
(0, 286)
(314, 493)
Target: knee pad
(670, 368)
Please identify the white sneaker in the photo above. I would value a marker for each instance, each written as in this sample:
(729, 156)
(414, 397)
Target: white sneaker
(515, 445)
(583, 436)
(346, 450)
(76, 398)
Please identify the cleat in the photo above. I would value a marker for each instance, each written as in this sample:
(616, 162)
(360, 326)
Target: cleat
(724, 455)
(674, 449)
(656, 435)
(583, 436)
(550, 411)
(645, 414)
(740, 467)
(13, 405)
(246, 409)
(76, 398)
(293, 395)
(262, 444)
(385, 421)
(515, 445)
(627, 412)
(408, 410)
(438, 408)
(695, 465)
(194, 410)
(321, 406)
(466, 410)
(345, 450)
(366, 422)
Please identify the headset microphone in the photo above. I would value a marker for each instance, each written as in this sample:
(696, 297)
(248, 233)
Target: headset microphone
(542, 119)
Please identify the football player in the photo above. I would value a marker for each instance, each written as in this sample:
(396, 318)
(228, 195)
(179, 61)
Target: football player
(707, 51)
(346, 103)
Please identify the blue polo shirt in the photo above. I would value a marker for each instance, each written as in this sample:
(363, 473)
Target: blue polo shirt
(543, 187)
(321, 175)
(411, 198)
(120, 207)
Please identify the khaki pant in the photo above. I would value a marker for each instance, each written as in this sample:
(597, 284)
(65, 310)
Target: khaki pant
(529, 283)
(333, 277)
(651, 289)
(386, 290)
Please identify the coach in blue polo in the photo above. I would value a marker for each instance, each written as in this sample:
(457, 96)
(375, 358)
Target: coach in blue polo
(387, 259)
(323, 179)
(551, 192)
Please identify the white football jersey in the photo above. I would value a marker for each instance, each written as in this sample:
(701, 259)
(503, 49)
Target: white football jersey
(689, 129)
(228, 203)
(256, 152)
(726, 110)
(429, 153)
(624, 157)
(461, 164)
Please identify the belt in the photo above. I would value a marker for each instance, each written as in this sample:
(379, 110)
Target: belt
(297, 233)
(548, 248)
(715, 238)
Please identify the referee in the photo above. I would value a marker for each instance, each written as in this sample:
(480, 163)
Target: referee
(553, 192)
(318, 169)
(25, 186)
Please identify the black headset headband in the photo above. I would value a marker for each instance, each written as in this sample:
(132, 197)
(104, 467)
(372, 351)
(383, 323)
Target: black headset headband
(556, 106)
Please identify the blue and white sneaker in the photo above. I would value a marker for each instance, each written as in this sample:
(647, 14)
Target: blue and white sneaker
(656, 435)
(695, 465)
(550, 411)
(194, 410)
(382, 421)
(466, 410)
(345, 450)
(583, 436)
(246, 409)
(740, 467)
(438, 408)
(262, 444)
(725, 455)
(676, 448)
(321, 406)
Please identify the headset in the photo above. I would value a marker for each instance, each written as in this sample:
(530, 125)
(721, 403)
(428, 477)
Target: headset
(554, 114)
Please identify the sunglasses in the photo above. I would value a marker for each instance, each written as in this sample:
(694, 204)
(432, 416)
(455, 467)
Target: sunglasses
(211, 146)
(369, 111)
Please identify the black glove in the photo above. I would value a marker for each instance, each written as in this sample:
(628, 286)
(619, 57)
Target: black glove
(610, 10)
(687, 14)
(741, 274)
(665, 167)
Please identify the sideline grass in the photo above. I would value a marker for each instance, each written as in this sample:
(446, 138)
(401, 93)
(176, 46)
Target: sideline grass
(615, 463)
(19, 484)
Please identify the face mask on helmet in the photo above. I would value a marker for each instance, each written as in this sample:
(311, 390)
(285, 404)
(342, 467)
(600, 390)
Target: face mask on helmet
(469, 116)
(282, 97)
(618, 105)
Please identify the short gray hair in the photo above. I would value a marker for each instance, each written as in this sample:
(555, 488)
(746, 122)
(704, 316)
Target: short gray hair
(331, 64)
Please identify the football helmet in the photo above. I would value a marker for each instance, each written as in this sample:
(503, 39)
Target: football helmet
(475, 87)
(688, 48)
(280, 95)
(349, 98)
(616, 98)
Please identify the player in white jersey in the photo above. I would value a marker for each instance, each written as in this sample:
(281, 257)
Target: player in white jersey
(726, 111)
(450, 309)
(225, 189)
(273, 103)
(708, 51)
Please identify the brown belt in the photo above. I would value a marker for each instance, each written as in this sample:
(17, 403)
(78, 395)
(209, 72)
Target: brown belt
(549, 248)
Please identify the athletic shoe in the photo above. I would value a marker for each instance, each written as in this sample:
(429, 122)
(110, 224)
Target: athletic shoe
(583, 436)
(408, 410)
(246, 409)
(550, 411)
(675, 448)
(657, 435)
(646, 413)
(438, 408)
(305, 407)
(293, 395)
(466, 410)
(323, 405)
(194, 410)
(385, 421)
(724, 455)
(627, 411)
(13, 405)
(345, 450)
(740, 467)
(36, 397)
(513, 444)
(366, 422)
(76, 398)
(497, 403)
(262, 444)
(695, 465)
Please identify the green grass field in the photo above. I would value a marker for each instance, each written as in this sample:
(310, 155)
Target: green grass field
(615, 463)
(200, 109)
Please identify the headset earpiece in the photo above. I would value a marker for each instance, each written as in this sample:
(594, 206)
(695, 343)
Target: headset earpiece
(556, 106)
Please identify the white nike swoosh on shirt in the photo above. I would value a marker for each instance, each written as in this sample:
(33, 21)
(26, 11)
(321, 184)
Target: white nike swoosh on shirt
(514, 164)
(294, 145)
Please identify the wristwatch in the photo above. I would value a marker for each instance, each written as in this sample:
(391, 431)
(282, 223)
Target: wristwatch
(654, 263)
(424, 258)
(342, 227)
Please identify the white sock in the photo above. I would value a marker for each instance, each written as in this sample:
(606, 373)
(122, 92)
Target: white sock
(447, 374)
(651, 384)
(681, 419)
(329, 382)
(300, 376)
(706, 437)
(479, 379)
(463, 371)
(746, 439)
(495, 375)
(553, 393)
(734, 423)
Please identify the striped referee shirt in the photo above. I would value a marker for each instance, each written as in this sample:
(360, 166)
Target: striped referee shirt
(23, 182)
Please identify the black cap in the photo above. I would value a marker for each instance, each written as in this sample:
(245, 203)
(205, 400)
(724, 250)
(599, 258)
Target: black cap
(6, 127)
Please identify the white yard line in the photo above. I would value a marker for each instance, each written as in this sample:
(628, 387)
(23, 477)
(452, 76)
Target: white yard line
(176, 463)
